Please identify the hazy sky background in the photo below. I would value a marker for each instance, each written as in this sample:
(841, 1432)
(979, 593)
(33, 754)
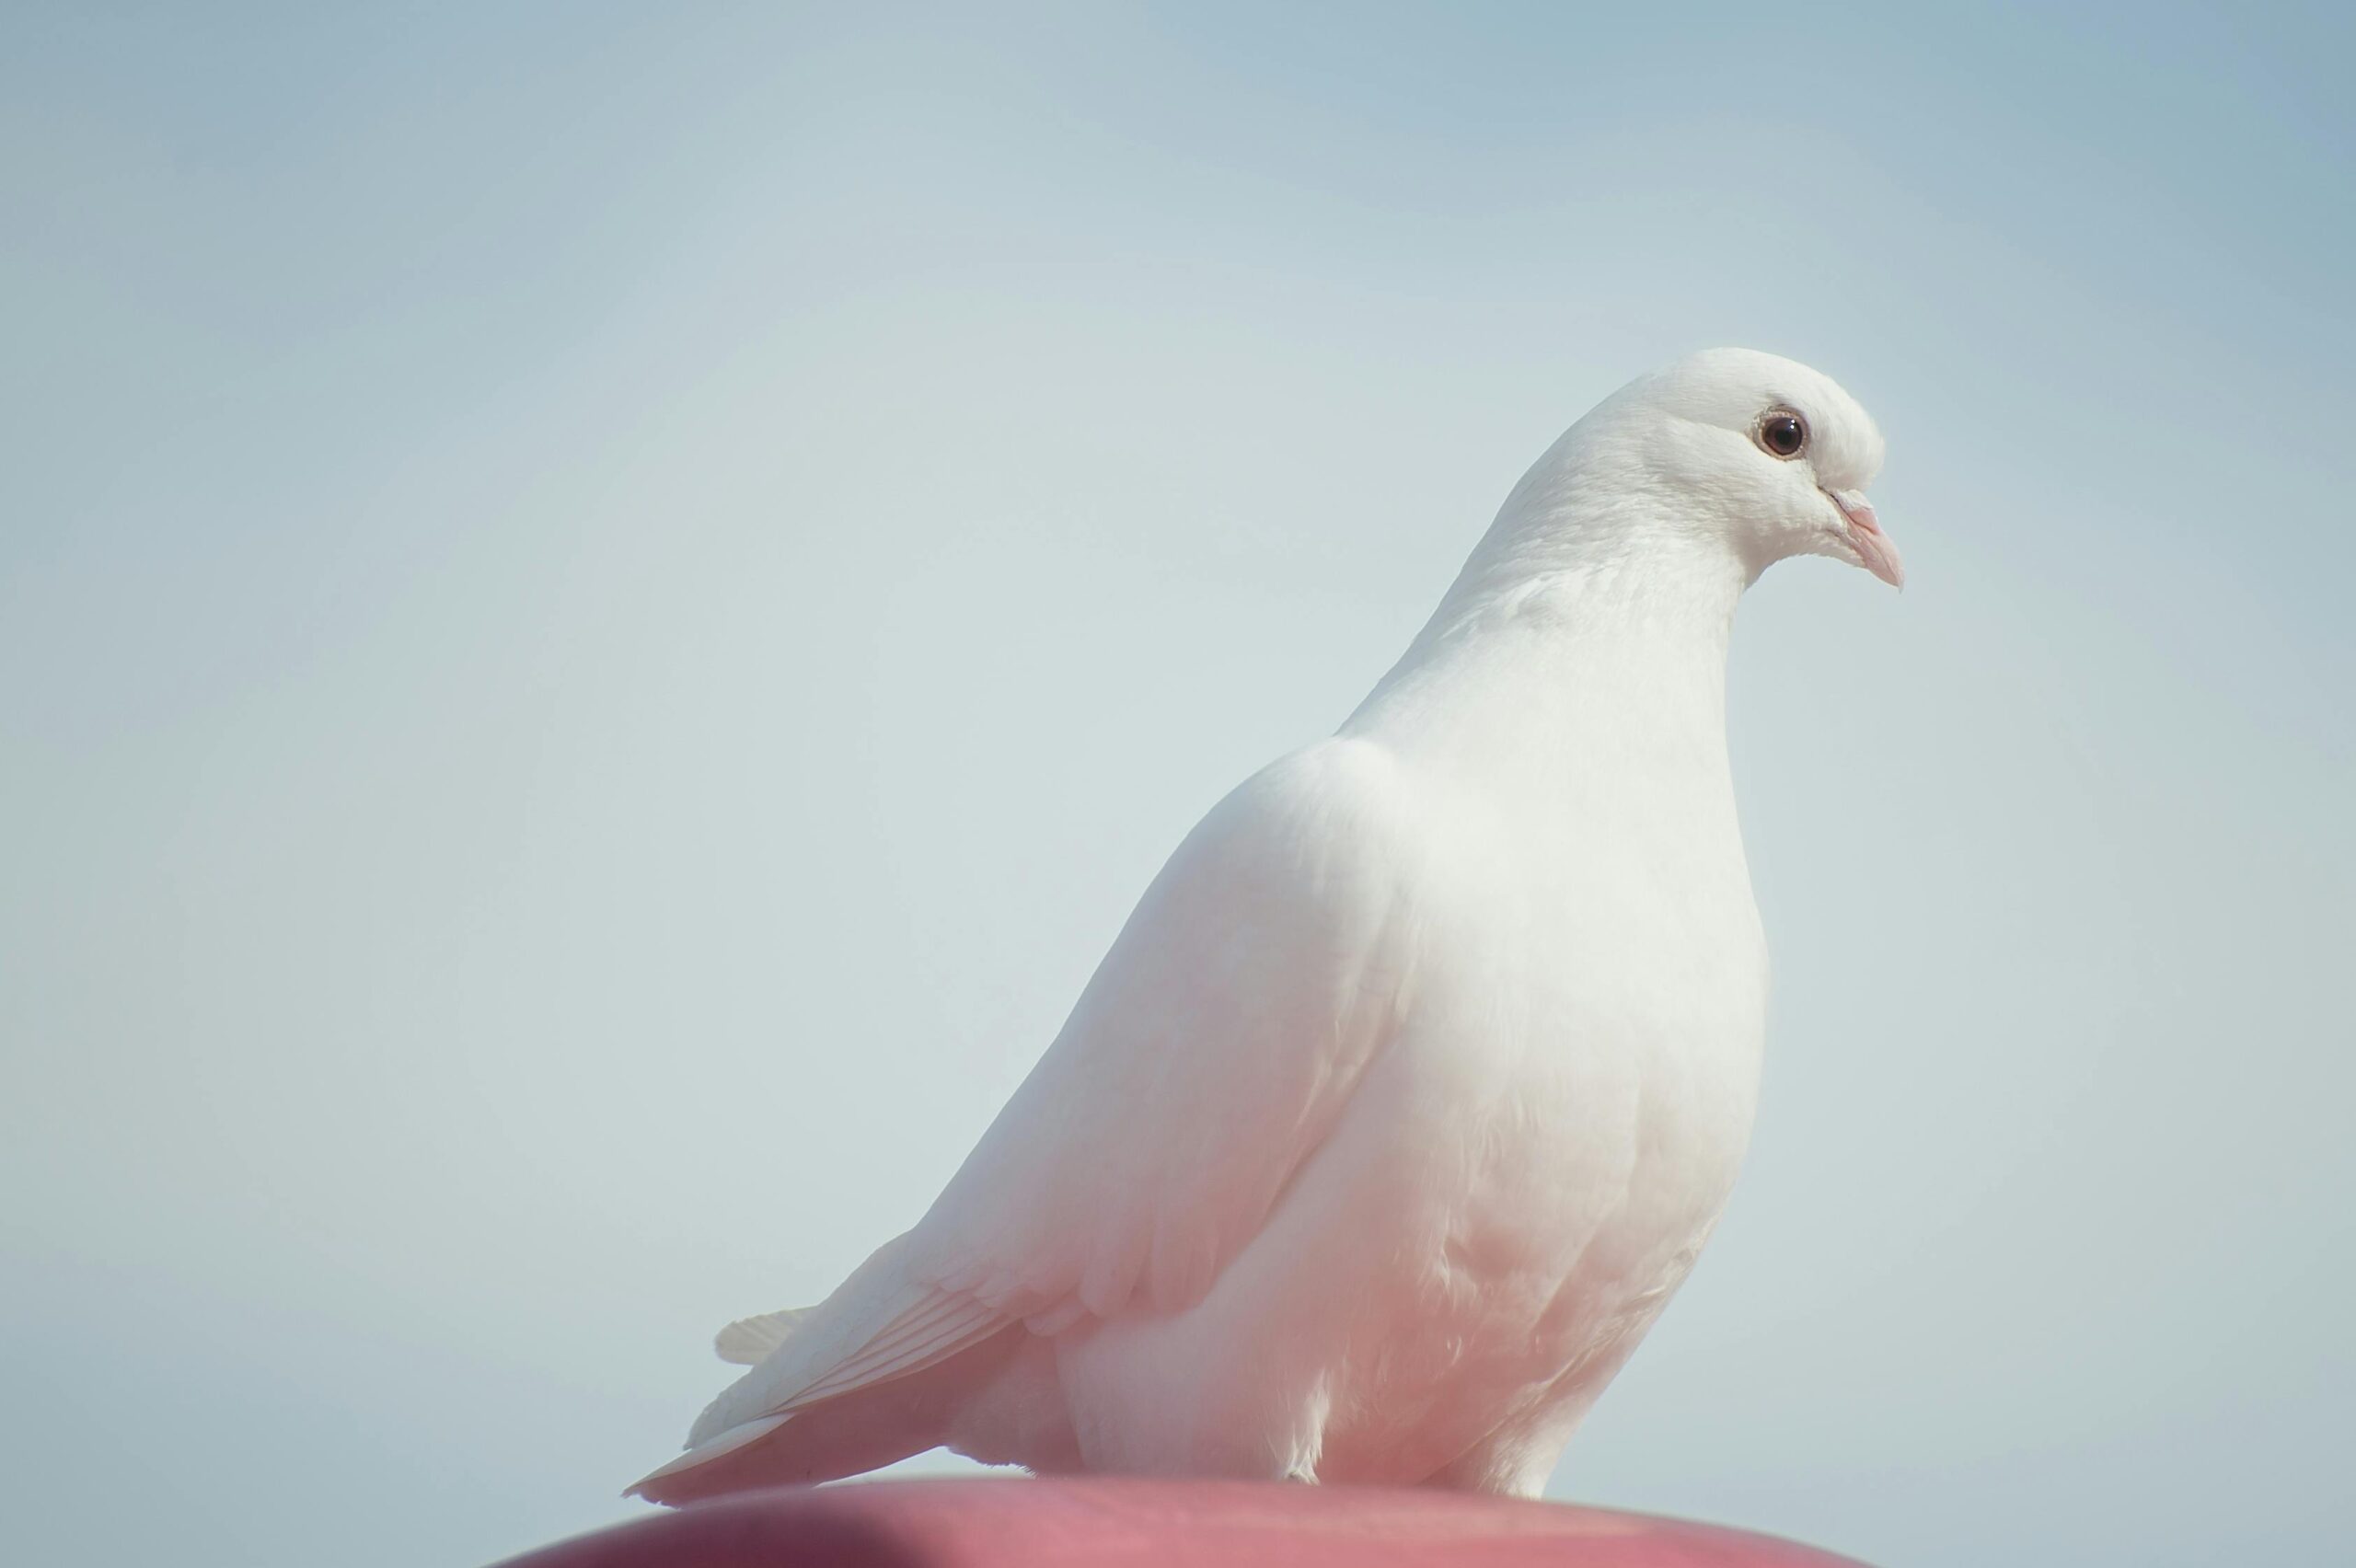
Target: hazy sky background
(603, 609)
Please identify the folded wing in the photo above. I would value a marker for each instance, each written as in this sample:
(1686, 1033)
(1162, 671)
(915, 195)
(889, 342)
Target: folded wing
(1213, 1051)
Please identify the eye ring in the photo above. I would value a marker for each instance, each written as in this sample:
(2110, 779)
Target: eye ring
(1782, 434)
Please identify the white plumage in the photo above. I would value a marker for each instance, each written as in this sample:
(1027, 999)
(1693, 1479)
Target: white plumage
(1417, 1079)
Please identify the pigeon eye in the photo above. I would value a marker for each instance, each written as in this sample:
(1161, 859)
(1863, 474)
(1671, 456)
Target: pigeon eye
(1783, 433)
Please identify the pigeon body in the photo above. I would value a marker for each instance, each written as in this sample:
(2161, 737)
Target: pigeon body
(1414, 1084)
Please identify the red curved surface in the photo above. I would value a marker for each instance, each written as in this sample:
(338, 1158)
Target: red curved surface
(1139, 1524)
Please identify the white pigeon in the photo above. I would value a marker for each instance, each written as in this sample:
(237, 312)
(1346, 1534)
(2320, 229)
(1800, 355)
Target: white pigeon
(1417, 1079)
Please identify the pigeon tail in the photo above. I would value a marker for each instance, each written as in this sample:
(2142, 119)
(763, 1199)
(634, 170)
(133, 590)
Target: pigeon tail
(863, 1430)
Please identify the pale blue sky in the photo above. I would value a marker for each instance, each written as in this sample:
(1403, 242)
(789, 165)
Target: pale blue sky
(602, 613)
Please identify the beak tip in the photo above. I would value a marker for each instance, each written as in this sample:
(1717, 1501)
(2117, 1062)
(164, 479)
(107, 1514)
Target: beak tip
(1874, 551)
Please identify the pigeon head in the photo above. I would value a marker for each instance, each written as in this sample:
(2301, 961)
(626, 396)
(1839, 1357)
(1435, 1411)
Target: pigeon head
(1763, 453)
(1671, 496)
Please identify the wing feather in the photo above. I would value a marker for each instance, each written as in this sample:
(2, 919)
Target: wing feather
(879, 1324)
(1207, 1060)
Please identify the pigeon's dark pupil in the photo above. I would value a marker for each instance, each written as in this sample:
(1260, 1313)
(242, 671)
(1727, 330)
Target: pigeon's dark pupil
(1783, 433)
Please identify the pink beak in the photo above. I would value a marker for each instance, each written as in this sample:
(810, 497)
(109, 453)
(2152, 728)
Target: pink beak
(1874, 551)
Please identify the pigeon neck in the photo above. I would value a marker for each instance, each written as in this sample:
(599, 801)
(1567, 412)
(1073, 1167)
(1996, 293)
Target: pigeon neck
(1545, 652)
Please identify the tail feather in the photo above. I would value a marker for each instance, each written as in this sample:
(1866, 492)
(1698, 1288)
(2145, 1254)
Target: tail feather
(878, 1325)
(748, 1342)
(888, 1365)
(662, 1484)
(860, 1431)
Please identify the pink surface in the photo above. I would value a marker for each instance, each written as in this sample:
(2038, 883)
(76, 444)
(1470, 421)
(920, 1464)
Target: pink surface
(1137, 1524)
